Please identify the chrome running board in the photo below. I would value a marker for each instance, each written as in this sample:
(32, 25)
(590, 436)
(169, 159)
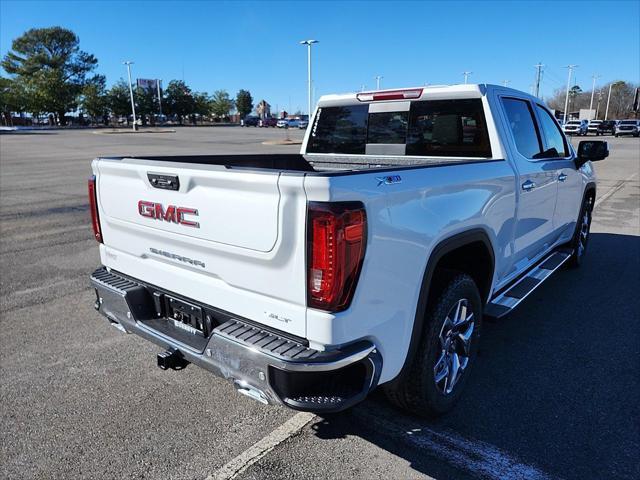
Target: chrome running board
(506, 301)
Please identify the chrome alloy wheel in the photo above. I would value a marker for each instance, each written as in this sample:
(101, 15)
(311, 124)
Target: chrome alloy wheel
(585, 226)
(455, 343)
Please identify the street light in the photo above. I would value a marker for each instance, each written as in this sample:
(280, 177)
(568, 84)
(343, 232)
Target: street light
(606, 112)
(466, 76)
(133, 105)
(566, 98)
(377, 79)
(308, 43)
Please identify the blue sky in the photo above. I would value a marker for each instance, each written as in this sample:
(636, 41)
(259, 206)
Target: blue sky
(254, 45)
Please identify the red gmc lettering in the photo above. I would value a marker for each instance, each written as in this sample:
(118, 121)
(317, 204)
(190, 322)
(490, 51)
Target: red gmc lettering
(171, 214)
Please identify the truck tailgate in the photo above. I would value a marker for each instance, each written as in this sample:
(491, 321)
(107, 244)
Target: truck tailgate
(232, 239)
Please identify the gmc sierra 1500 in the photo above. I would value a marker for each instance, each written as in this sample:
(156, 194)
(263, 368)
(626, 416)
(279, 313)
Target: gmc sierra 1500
(367, 259)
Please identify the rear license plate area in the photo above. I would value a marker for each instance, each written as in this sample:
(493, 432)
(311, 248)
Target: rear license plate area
(185, 316)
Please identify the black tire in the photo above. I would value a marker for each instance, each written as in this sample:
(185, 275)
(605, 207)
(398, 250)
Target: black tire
(418, 392)
(580, 239)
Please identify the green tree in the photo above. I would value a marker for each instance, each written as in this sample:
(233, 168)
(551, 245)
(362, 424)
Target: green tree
(13, 98)
(94, 99)
(201, 104)
(146, 104)
(53, 69)
(221, 104)
(244, 103)
(118, 99)
(178, 100)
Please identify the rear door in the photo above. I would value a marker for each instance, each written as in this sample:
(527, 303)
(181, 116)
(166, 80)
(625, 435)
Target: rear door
(537, 183)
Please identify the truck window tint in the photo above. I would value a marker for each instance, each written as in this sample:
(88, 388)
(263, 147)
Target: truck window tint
(339, 130)
(388, 127)
(554, 143)
(523, 127)
(449, 128)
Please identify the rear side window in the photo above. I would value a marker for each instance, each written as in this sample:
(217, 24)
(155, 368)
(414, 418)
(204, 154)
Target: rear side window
(340, 130)
(523, 127)
(554, 143)
(448, 128)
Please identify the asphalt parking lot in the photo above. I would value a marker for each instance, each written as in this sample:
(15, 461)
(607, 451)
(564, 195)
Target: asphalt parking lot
(555, 394)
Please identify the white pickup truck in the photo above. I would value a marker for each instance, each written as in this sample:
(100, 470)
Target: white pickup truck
(368, 259)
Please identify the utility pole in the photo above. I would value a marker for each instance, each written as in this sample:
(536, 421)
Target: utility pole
(538, 78)
(600, 95)
(466, 76)
(593, 89)
(566, 100)
(363, 87)
(308, 43)
(133, 105)
(505, 83)
(159, 96)
(606, 112)
(377, 79)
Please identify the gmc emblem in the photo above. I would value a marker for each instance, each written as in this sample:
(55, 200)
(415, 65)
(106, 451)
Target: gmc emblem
(171, 214)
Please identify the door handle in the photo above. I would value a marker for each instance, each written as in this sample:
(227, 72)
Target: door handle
(528, 186)
(562, 177)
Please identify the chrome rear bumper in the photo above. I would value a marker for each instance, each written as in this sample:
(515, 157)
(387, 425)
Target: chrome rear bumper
(262, 364)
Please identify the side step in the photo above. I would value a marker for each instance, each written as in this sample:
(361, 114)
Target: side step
(506, 301)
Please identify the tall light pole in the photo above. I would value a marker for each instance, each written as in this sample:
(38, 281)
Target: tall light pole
(593, 89)
(377, 79)
(606, 112)
(538, 78)
(466, 76)
(600, 95)
(133, 105)
(505, 83)
(308, 43)
(566, 99)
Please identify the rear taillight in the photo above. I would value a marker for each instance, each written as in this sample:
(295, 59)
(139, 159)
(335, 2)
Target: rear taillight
(336, 241)
(93, 206)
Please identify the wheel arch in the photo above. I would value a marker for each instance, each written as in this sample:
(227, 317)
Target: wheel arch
(445, 251)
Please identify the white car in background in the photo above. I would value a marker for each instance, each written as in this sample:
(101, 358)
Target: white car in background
(593, 126)
(628, 127)
(302, 124)
(576, 127)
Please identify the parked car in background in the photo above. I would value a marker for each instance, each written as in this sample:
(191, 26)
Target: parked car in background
(607, 126)
(269, 122)
(576, 127)
(593, 126)
(302, 124)
(628, 127)
(288, 123)
(250, 122)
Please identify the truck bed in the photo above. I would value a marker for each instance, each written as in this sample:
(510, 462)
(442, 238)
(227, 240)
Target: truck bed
(295, 162)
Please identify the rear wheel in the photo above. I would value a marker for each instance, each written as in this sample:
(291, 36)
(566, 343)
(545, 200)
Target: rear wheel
(447, 350)
(581, 235)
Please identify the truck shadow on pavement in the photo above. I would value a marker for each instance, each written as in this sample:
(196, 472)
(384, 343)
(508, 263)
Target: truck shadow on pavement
(555, 391)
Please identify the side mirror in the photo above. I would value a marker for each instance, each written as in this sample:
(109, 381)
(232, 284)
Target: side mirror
(591, 151)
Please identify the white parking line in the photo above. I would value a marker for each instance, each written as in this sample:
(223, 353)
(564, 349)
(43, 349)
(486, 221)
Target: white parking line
(613, 190)
(471, 456)
(259, 449)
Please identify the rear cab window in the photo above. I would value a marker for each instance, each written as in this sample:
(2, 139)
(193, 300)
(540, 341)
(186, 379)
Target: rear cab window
(433, 128)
